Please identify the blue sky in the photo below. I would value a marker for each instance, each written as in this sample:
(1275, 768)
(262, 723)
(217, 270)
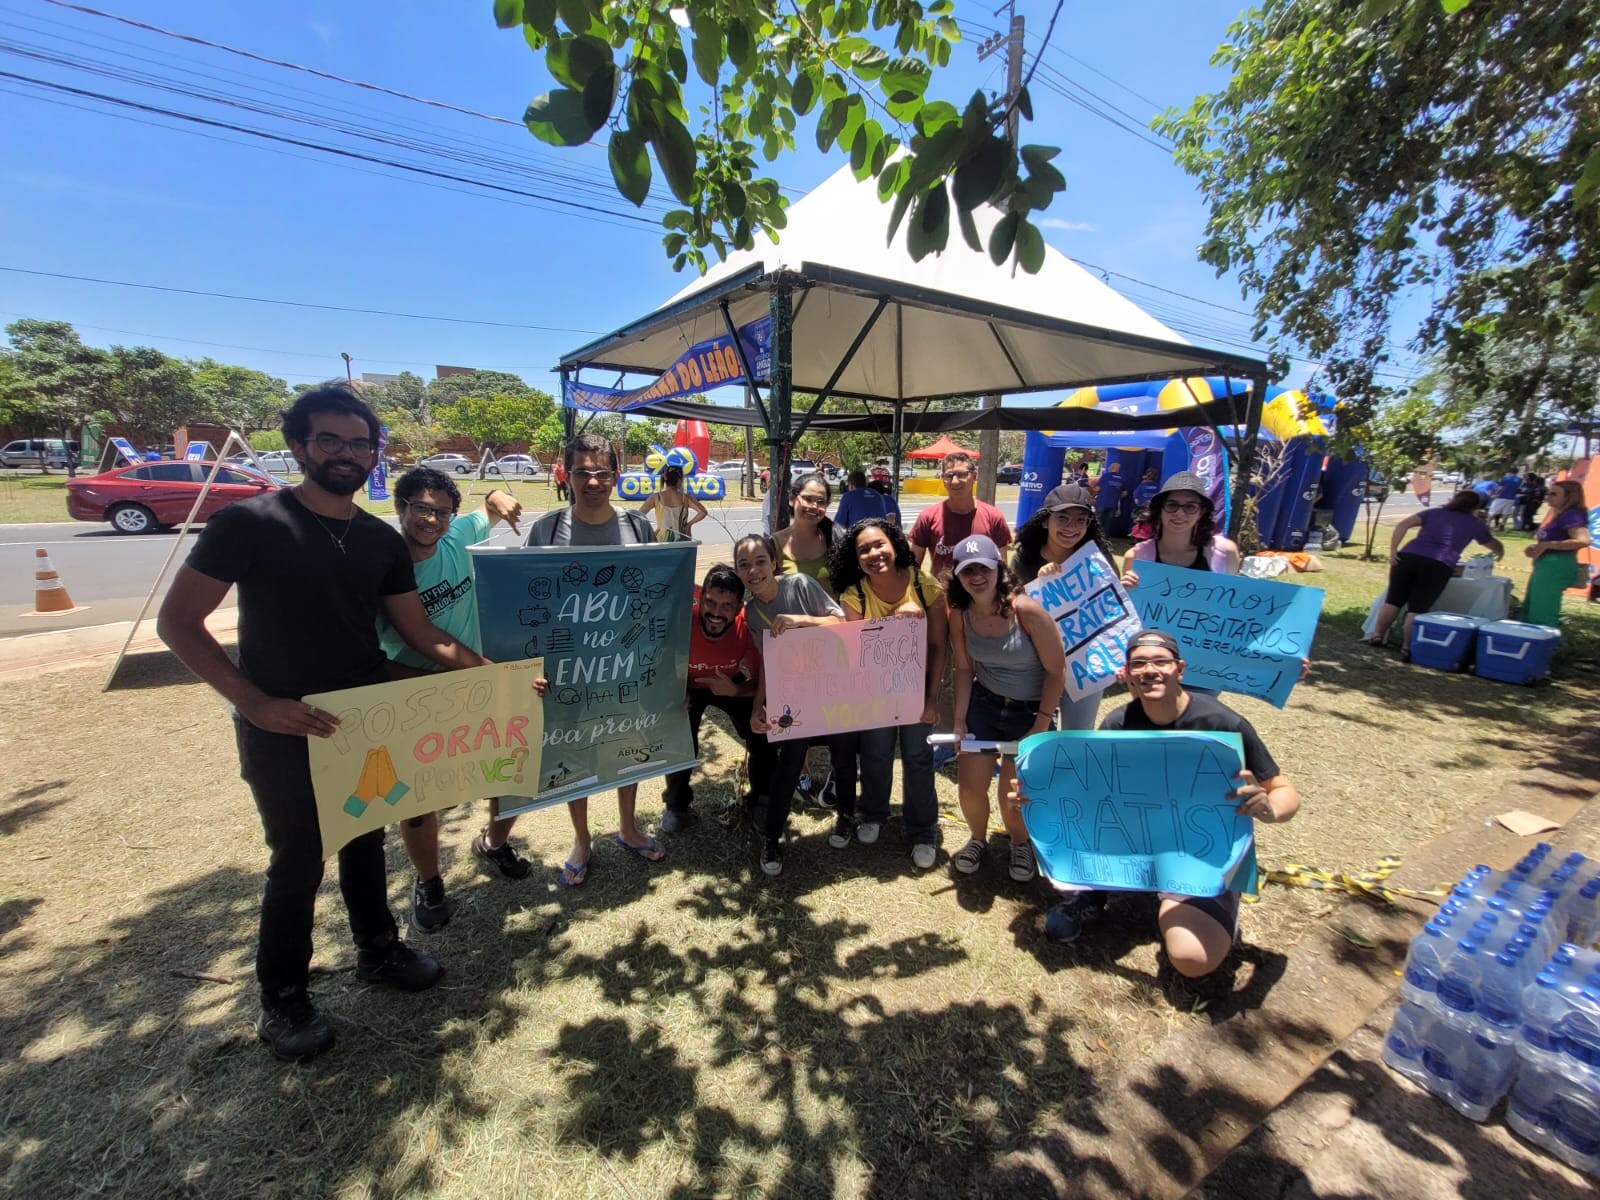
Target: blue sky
(153, 200)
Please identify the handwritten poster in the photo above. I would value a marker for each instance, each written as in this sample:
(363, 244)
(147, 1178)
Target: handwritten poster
(418, 745)
(1238, 634)
(1144, 811)
(835, 678)
(612, 625)
(1089, 605)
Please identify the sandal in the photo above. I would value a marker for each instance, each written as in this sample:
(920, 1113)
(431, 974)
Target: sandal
(1375, 642)
(573, 874)
(970, 857)
(1023, 867)
(650, 851)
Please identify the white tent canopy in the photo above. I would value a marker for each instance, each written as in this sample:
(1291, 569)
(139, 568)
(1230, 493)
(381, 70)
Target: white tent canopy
(953, 324)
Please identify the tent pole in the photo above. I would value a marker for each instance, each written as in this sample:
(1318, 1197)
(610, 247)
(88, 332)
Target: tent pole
(899, 440)
(779, 397)
(569, 415)
(1246, 462)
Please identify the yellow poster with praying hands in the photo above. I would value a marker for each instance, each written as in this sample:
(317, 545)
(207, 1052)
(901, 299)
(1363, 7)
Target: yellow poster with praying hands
(418, 745)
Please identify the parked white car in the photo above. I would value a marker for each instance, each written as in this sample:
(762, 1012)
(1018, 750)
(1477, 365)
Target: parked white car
(515, 464)
(732, 470)
(450, 464)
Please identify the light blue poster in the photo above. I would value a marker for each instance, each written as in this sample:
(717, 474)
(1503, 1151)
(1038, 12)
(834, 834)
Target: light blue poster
(612, 625)
(1141, 811)
(1238, 634)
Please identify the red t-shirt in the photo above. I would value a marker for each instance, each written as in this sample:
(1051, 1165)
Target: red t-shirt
(939, 531)
(733, 654)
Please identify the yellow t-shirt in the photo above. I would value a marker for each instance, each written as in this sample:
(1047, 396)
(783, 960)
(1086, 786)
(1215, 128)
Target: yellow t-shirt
(922, 590)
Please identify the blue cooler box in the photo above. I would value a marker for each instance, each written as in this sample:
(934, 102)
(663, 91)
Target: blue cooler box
(1516, 652)
(1443, 641)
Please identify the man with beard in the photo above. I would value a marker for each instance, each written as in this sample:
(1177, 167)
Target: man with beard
(313, 572)
(723, 663)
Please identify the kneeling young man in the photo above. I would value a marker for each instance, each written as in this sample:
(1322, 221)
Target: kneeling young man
(1197, 931)
(723, 665)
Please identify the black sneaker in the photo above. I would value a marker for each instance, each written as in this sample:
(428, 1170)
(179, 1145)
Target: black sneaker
(429, 909)
(504, 857)
(772, 856)
(1065, 921)
(398, 965)
(293, 1027)
(840, 837)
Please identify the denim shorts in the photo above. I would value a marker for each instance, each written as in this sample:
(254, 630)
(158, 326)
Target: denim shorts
(992, 718)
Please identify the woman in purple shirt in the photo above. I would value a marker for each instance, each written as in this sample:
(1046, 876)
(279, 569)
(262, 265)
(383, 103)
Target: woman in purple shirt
(1418, 574)
(1555, 548)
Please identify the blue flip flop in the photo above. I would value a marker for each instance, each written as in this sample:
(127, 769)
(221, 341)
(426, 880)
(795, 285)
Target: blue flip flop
(645, 851)
(578, 871)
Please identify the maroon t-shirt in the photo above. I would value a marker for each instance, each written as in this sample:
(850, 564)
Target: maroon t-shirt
(939, 531)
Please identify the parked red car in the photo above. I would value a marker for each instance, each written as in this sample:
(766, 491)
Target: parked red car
(144, 498)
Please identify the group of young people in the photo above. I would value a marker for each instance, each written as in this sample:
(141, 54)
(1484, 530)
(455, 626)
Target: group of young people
(332, 597)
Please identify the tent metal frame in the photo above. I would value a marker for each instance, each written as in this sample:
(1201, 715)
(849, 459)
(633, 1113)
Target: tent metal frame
(788, 291)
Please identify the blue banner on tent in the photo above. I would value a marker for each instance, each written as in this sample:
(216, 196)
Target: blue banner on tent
(1238, 634)
(708, 364)
(378, 480)
(1142, 810)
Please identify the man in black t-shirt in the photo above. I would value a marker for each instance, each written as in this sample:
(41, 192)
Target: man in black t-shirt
(1196, 931)
(313, 572)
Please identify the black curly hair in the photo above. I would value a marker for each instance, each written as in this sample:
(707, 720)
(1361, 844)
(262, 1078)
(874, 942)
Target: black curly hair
(844, 569)
(1035, 532)
(426, 479)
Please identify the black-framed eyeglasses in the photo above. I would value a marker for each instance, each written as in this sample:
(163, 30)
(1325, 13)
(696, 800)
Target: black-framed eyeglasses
(579, 475)
(427, 510)
(1184, 506)
(332, 443)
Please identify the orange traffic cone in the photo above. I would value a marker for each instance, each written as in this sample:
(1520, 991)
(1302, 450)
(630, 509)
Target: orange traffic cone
(50, 597)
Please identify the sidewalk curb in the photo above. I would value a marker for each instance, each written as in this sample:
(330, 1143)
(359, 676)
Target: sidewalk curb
(1161, 1127)
(61, 649)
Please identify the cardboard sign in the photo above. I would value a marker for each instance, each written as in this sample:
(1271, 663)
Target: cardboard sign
(612, 625)
(1238, 634)
(1142, 811)
(419, 745)
(1089, 605)
(836, 678)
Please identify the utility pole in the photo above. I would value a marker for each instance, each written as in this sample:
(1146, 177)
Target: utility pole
(989, 439)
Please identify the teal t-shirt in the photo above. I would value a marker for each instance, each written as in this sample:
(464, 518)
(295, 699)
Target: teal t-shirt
(444, 582)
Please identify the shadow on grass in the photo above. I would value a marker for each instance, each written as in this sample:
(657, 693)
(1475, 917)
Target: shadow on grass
(25, 805)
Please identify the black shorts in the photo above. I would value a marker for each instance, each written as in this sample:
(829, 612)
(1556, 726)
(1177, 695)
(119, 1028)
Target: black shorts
(1223, 909)
(992, 718)
(1417, 581)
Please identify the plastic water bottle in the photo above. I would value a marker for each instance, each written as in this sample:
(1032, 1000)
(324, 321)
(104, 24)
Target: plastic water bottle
(1425, 962)
(1404, 1043)
(1577, 1128)
(1581, 914)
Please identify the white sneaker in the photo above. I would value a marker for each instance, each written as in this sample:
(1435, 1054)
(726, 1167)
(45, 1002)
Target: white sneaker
(867, 832)
(923, 855)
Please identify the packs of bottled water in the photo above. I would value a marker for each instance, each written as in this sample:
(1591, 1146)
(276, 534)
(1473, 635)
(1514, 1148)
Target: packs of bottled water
(1501, 993)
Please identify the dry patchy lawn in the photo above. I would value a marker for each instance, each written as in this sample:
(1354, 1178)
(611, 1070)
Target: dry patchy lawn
(850, 1029)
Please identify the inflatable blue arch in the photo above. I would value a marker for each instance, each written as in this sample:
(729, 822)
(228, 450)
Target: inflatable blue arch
(1306, 482)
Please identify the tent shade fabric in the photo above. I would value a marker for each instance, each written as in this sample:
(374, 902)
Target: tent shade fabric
(955, 324)
(940, 448)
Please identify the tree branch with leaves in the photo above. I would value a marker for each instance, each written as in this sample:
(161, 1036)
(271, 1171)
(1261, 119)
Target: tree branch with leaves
(763, 67)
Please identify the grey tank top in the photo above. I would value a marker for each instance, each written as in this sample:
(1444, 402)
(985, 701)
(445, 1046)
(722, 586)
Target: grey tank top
(1007, 665)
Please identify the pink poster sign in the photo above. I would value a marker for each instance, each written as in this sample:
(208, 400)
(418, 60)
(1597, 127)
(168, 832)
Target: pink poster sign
(837, 678)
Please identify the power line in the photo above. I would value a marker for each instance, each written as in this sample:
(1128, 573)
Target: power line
(371, 312)
(276, 62)
(318, 146)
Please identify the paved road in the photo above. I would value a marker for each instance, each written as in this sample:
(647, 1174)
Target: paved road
(109, 574)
